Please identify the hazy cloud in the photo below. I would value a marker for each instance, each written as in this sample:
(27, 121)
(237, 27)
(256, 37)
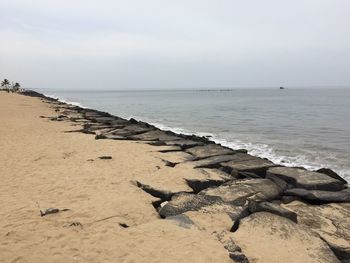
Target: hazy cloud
(174, 44)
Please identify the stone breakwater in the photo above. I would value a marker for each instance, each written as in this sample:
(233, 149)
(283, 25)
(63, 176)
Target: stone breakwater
(268, 205)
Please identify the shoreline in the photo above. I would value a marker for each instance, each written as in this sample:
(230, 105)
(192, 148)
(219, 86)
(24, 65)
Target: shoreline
(258, 149)
(123, 190)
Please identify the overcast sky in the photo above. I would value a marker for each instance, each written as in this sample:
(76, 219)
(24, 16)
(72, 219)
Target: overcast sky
(155, 44)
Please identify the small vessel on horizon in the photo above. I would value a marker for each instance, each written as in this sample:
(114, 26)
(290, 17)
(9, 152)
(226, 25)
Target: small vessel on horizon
(281, 87)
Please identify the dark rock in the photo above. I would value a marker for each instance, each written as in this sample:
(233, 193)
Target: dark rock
(169, 164)
(123, 225)
(171, 149)
(155, 135)
(241, 150)
(110, 137)
(212, 162)
(255, 207)
(238, 257)
(238, 192)
(200, 152)
(300, 178)
(247, 175)
(162, 194)
(200, 184)
(246, 163)
(184, 144)
(320, 196)
(332, 174)
(158, 143)
(183, 202)
(52, 211)
(286, 199)
(49, 211)
(133, 121)
(105, 157)
(32, 93)
(129, 130)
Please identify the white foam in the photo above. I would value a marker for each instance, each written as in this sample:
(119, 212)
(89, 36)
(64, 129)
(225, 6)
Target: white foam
(259, 150)
(255, 149)
(74, 103)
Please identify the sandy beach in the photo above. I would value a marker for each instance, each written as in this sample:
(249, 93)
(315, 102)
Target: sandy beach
(106, 213)
(42, 165)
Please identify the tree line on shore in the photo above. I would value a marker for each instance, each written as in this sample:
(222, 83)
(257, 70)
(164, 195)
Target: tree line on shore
(10, 87)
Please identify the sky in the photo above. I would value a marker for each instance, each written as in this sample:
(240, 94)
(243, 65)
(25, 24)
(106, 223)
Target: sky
(163, 44)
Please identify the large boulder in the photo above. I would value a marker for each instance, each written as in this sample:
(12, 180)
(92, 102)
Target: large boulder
(183, 202)
(332, 174)
(273, 208)
(184, 143)
(300, 178)
(330, 221)
(242, 162)
(238, 192)
(200, 152)
(130, 130)
(320, 196)
(212, 162)
(155, 135)
(267, 238)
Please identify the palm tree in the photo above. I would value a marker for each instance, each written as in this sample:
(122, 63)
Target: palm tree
(16, 86)
(5, 84)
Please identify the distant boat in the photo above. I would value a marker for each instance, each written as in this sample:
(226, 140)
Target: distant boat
(281, 87)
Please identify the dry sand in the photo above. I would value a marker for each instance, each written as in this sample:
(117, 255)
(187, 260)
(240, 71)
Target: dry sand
(42, 165)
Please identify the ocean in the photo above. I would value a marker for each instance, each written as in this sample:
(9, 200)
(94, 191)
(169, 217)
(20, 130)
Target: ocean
(293, 126)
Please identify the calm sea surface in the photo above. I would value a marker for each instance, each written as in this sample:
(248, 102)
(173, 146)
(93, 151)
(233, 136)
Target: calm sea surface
(294, 127)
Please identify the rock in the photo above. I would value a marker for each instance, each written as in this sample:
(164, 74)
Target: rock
(238, 257)
(255, 207)
(104, 120)
(52, 211)
(300, 178)
(246, 163)
(49, 211)
(123, 225)
(169, 163)
(286, 199)
(110, 137)
(245, 174)
(320, 196)
(266, 238)
(155, 135)
(200, 152)
(183, 202)
(238, 192)
(164, 195)
(202, 183)
(105, 157)
(183, 143)
(330, 221)
(235, 252)
(171, 149)
(212, 162)
(130, 130)
(241, 150)
(332, 174)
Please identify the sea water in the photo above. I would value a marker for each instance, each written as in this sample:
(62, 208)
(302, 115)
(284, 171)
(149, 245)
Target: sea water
(307, 127)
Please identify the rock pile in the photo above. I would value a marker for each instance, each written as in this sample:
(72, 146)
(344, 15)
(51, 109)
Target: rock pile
(260, 211)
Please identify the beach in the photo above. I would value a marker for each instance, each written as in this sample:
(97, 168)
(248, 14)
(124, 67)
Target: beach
(121, 195)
